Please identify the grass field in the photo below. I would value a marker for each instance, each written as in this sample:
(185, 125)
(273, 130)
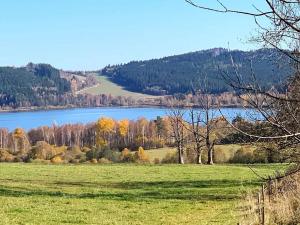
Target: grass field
(107, 87)
(124, 194)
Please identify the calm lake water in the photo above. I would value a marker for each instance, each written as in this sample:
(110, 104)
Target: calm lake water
(29, 120)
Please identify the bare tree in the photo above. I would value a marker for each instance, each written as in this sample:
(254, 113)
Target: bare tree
(279, 27)
(176, 118)
(196, 129)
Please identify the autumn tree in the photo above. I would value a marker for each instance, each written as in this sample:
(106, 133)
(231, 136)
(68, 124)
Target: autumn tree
(4, 137)
(123, 128)
(20, 141)
(104, 128)
(141, 125)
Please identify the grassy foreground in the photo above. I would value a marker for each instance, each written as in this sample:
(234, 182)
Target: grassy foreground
(124, 194)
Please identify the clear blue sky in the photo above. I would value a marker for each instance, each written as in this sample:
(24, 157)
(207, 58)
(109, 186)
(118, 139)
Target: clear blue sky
(89, 34)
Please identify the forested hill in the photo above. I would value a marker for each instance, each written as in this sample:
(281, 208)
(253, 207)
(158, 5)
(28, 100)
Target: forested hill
(183, 73)
(33, 85)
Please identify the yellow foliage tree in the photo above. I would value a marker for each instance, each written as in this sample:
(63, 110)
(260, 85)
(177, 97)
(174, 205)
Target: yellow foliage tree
(123, 127)
(104, 127)
(141, 155)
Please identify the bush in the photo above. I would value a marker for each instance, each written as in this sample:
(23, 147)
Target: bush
(18, 159)
(42, 150)
(104, 161)
(110, 155)
(224, 154)
(170, 158)
(85, 149)
(94, 161)
(93, 154)
(73, 154)
(57, 159)
(74, 161)
(156, 161)
(141, 155)
(245, 155)
(5, 156)
(126, 156)
(268, 153)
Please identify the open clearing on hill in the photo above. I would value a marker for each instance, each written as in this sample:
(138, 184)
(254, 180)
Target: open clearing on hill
(107, 87)
(35, 194)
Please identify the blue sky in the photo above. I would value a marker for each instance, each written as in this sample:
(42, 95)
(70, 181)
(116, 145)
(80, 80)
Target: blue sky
(89, 34)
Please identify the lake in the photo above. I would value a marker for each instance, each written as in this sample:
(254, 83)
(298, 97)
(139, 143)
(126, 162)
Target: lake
(33, 119)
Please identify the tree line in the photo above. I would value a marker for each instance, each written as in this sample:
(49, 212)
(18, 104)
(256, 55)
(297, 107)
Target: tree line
(193, 133)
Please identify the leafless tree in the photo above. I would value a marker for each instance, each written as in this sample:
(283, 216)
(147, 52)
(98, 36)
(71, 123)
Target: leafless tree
(196, 129)
(176, 118)
(279, 27)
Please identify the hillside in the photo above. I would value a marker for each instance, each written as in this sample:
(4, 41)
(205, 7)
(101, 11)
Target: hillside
(184, 73)
(33, 85)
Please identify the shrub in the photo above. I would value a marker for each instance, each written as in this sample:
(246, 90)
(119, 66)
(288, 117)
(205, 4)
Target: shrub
(170, 158)
(244, 155)
(126, 156)
(110, 155)
(141, 155)
(191, 154)
(57, 159)
(72, 154)
(74, 161)
(5, 156)
(156, 161)
(104, 161)
(85, 149)
(18, 159)
(268, 153)
(94, 161)
(93, 154)
(224, 154)
(42, 150)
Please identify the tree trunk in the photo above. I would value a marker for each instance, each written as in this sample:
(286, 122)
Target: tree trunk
(199, 160)
(210, 156)
(180, 155)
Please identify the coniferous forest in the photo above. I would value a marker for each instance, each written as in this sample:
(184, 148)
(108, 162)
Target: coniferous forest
(185, 73)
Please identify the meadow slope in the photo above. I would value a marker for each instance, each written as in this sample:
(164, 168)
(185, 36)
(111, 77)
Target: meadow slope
(107, 87)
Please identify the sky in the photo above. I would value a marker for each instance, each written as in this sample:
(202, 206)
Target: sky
(90, 34)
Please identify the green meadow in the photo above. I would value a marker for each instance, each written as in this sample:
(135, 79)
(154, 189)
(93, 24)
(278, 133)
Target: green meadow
(107, 87)
(125, 193)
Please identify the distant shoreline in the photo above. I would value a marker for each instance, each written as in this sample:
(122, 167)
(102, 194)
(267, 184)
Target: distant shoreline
(50, 108)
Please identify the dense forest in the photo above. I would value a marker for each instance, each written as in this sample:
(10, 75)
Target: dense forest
(185, 73)
(33, 85)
